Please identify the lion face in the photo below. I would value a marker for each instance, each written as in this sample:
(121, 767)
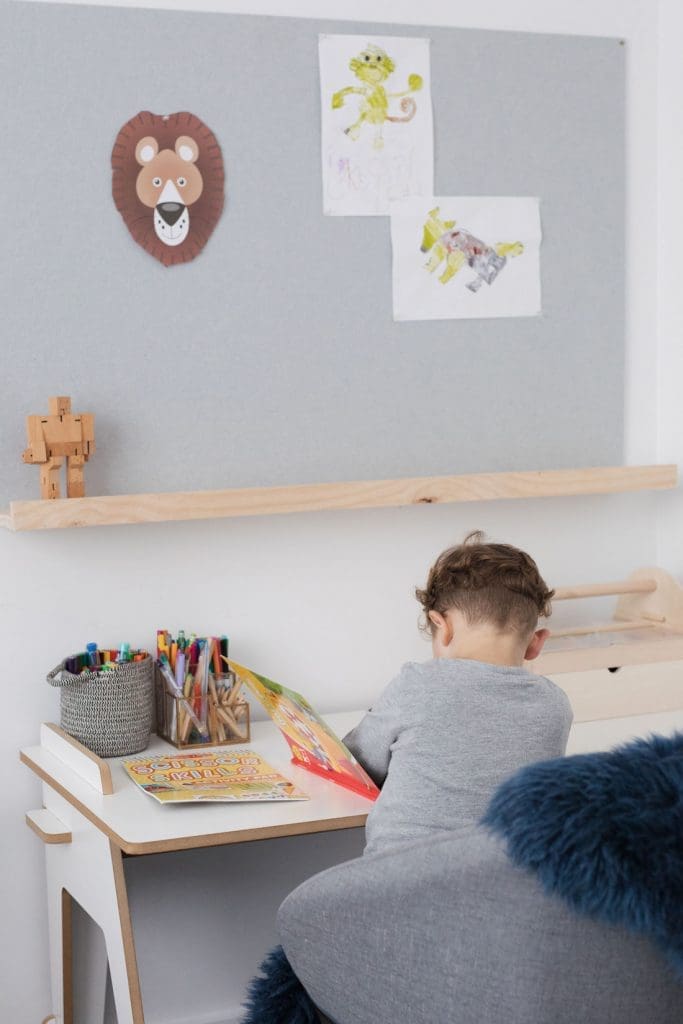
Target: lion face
(167, 183)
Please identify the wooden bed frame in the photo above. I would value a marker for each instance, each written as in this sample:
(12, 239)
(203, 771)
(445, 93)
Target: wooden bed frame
(647, 626)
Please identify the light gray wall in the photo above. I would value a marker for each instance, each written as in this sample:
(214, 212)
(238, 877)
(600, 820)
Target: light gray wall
(273, 357)
(331, 581)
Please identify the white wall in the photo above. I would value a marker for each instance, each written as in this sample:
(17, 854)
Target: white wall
(669, 214)
(324, 601)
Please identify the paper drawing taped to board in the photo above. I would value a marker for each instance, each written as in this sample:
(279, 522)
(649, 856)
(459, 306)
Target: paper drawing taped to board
(466, 257)
(167, 183)
(377, 134)
(451, 247)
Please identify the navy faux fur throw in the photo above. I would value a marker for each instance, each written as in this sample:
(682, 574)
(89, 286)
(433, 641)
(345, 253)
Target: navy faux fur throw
(605, 832)
(278, 997)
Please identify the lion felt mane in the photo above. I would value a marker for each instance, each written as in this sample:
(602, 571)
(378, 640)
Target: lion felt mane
(168, 183)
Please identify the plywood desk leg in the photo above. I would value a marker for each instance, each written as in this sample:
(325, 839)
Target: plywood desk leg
(59, 925)
(125, 981)
(89, 870)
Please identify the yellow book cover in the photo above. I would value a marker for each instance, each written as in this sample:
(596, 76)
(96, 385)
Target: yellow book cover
(313, 744)
(220, 776)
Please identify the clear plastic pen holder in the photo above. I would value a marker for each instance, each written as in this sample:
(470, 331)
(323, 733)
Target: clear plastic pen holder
(222, 712)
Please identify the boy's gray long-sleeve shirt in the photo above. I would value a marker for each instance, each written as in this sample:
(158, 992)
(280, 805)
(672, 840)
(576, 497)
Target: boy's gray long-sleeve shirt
(444, 734)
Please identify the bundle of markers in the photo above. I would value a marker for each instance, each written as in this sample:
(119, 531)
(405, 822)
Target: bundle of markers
(95, 659)
(197, 676)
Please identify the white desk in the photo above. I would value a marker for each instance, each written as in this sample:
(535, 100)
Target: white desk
(94, 815)
(87, 832)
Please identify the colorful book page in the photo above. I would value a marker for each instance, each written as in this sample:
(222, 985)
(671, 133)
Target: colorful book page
(217, 776)
(313, 744)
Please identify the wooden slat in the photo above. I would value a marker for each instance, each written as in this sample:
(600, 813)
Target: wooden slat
(615, 626)
(605, 589)
(256, 501)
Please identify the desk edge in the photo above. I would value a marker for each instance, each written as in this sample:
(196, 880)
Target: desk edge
(194, 842)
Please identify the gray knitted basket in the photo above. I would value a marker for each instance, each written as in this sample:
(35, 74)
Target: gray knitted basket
(110, 712)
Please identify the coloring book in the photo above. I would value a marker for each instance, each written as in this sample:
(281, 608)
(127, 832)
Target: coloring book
(313, 744)
(216, 776)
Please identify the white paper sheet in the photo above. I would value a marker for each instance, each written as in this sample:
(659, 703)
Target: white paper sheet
(377, 133)
(466, 256)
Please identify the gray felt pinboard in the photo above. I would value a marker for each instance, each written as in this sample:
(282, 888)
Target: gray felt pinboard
(273, 357)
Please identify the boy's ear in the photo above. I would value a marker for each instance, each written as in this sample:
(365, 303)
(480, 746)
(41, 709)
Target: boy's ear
(536, 644)
(443, 626)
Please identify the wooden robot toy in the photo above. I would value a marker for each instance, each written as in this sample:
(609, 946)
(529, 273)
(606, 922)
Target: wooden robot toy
(58, 436)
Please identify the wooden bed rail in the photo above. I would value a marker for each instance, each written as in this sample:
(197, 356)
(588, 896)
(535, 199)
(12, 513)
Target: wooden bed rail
(647, 626)
(614, 626)
(639, 586)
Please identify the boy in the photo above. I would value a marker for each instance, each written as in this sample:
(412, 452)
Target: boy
(445, 733)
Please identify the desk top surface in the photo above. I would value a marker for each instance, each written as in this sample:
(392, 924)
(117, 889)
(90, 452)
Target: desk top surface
(138, 824)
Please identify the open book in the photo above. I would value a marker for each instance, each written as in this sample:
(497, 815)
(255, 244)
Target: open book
(313, 744)
(212, 775)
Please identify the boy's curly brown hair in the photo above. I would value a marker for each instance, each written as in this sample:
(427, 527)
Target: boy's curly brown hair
(494, 583)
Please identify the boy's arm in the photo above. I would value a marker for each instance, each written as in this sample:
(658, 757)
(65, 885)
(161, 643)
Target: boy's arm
(370, 742)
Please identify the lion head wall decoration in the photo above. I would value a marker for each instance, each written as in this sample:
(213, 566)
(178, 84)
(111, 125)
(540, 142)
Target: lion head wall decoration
(167, 183)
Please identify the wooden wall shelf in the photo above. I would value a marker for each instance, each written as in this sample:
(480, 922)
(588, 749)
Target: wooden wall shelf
(259, 501)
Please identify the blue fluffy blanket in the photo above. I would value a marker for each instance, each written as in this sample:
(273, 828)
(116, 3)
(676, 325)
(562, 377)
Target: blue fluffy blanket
(602, 831)
(276, 996)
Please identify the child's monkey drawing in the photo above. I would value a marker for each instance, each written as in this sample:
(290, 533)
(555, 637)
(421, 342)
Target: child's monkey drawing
(372, 67)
